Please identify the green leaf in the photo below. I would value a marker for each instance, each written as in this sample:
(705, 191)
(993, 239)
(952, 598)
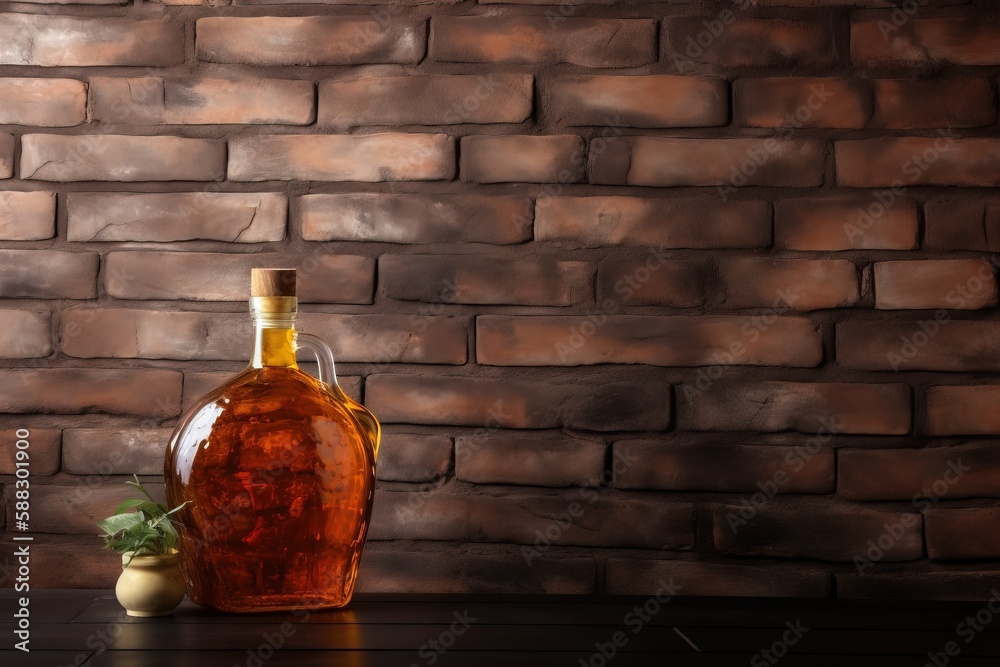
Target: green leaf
(127, 505)
(119, 522)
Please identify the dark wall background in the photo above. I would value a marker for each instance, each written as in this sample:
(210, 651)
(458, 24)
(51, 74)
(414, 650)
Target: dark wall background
(642, 292)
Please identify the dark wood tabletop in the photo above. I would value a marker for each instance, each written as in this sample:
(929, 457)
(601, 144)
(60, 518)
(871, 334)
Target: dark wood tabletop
(88, 627)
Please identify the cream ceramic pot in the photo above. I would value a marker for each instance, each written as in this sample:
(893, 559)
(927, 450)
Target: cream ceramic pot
(150, 585)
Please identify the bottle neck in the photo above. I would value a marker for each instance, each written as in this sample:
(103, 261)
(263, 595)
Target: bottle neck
(273, 332)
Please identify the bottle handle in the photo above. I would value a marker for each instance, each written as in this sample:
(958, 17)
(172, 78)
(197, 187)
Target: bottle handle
(323, 354)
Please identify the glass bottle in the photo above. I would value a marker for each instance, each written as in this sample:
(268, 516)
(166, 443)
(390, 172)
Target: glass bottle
(279, 471)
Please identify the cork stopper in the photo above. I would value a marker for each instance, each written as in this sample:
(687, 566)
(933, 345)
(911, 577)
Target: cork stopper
(272, 282)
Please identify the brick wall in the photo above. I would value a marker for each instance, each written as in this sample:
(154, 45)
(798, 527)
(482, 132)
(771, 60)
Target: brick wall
(640, 291)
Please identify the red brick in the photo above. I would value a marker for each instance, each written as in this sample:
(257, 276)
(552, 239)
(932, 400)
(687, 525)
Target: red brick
(65, 41)
(413, 457)
(936, 342)
(904, 105)
(798, 284)
(671, 465)
(961, 471)
(951, 224)
(745, 42)
(655, 282)
(204, 276)
(453, 99)
(817, 408)
(966, 284)
(108, 157)
(798, 102)
(391, 570)
(25, 334)
(522, 159)
(494, 403)
(530, 520)
(890, 4)
(839, 223)
(962, 40)
(725, 163)
(309, 40)
(537, 281)
(630, 576)
(48, 274)
(153, 334)
(638, 101)
(896, 161)
(920, 584)
(368, 158)
(93, 566)
(6, 155)
(155, 100)
(138, 391)
(666, 223)
(502, 340)
(541, 39)
(43, 102)
(963, 533)
(819, 532)
(114, 451)
(964, 410)
(27, 216)
(176, 216)
(405, 218)
(74, 508)
(513, 458)
(43, 448)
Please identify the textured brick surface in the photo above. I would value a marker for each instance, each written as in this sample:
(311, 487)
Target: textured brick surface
(512, 458)
(43, 102)
(414, 457)
(455, 279)
(694, 466)
(963, 533)
(309, 40)
(845, 224)
(392, 218)
(146, 391)
(963, 410)
(48, 274)
(897, 161)
(967, 284)
(638, 101)
(558, 159)
(223, 277)
(237, 218)
(834, 533)
(961, 471)
(68, 41)
(905, 105)
(933, 342)
(601, 221)
(429, 100)
(800, 284)
(669, 162)
(49, 157)
(27, 216)
(157, 100)
(25, 334)
(532, 39)
(631, 339)
(370, 158)
(608, 406)
(962, 224)
(802, 102)
(749, 42)
(108, 451)
(799, 406)
(962, 40)
(43, 447)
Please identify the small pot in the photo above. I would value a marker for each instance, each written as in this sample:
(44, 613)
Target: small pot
(150, 585)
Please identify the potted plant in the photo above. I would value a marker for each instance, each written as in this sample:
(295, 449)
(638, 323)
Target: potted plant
(141, 531)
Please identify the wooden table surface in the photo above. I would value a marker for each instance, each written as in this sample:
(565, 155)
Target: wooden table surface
(88, 627)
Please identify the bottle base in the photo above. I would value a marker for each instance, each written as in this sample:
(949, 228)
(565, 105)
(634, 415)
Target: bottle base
(273, 603)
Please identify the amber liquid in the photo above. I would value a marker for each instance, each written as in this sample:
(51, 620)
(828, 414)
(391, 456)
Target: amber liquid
(279, 470)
